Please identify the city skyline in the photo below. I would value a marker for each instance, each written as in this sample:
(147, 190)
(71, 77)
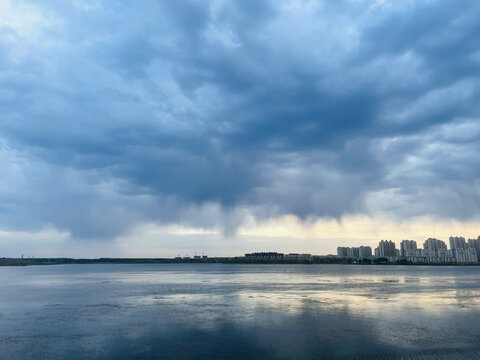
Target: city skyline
(358, 251)
(433, 251)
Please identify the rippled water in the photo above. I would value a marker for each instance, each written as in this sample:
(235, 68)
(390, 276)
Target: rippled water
(214, 311)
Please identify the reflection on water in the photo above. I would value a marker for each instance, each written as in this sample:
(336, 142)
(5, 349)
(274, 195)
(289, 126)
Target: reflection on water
(213, 311)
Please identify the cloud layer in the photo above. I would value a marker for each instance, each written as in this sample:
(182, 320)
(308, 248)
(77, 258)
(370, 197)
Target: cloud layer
(206, 112)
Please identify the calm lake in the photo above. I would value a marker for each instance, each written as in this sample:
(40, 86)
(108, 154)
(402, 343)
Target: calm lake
(215, 311)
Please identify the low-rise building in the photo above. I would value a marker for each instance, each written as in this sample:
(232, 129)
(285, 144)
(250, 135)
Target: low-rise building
(265, 256)
(299, 257)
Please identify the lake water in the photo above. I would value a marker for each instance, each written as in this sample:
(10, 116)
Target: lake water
(215, 311)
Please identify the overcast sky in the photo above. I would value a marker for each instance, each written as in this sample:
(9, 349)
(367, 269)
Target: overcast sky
(157, 128)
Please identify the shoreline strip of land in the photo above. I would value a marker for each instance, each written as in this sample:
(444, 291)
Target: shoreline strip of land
(212, 260)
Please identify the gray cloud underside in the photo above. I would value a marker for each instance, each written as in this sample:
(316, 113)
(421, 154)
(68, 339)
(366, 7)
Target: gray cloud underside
(113, 114)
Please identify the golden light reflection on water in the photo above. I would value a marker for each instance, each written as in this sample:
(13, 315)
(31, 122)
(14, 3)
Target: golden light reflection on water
(249, 290)
(372, 296)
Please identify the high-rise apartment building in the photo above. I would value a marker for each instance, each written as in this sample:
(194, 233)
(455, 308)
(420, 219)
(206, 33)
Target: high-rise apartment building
(407, 246)
(462, 255)
(342, 251)
(385, 248)
(354, 252)
(475, 244)
(434, 244)
(457, 242)
(364, 252)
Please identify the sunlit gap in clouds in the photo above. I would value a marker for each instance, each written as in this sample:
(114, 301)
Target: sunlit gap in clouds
(286, 234)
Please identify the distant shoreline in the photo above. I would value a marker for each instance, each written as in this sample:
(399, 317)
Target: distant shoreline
(212, 260)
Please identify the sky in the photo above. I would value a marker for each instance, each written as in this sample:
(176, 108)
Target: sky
(164, 128)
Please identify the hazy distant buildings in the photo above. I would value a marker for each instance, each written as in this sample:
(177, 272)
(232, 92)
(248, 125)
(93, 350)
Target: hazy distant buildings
(298, 257)
(386, 248)
(342, 251)
(434, 251)
(461, 251)
(364, 252)
(408, 247)
(434, 244)
(438, 256)
(475, 244)
(265, 256)
(463, 255)
(457, 242)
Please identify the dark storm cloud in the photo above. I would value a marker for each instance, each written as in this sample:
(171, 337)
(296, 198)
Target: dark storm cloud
(116, 114)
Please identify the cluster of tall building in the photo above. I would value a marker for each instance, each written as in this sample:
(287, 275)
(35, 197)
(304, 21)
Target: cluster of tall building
(434, 251)
(362, 252)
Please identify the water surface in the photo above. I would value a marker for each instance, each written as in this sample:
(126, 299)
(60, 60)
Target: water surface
(215, 311)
